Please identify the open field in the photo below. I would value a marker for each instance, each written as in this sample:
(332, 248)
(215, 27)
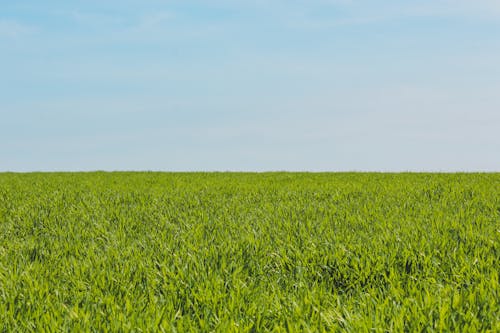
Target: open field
(249, 252)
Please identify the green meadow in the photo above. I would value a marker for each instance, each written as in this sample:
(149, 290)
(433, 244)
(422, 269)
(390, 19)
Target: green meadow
(249, 252)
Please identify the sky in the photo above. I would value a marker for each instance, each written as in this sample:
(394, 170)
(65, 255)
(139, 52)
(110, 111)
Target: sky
(295, 85)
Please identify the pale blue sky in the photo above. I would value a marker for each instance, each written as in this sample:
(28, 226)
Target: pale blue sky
(250, 85)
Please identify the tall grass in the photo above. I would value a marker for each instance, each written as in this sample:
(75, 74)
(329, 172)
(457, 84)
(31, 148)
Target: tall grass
(249, 252)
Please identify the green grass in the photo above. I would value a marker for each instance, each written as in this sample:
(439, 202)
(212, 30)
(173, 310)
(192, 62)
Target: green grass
(249, 252)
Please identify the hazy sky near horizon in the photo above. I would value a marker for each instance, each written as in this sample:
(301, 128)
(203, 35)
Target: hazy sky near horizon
(250, 85)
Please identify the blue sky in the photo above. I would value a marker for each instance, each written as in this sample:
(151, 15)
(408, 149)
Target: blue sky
(332, 85)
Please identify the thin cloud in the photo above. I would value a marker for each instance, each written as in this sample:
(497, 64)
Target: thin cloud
(94, 19)
(154, 20)
(15, 29)
(363, 12)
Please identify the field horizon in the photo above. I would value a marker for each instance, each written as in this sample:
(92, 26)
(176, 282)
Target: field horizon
(254, 171)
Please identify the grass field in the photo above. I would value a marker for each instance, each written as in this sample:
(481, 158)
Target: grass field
(247, 252)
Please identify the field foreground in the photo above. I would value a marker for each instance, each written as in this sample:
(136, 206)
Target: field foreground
(249, 252)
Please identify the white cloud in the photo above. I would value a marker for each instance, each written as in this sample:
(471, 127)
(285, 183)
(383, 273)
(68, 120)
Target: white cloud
(364, 12)
(487, 5)
(94, 18)
(154, 20)
(460, 8)
(14, 29)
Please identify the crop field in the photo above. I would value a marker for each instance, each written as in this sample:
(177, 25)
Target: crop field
(249, 252)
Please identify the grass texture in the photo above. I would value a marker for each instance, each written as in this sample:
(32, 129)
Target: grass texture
(249, 252)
